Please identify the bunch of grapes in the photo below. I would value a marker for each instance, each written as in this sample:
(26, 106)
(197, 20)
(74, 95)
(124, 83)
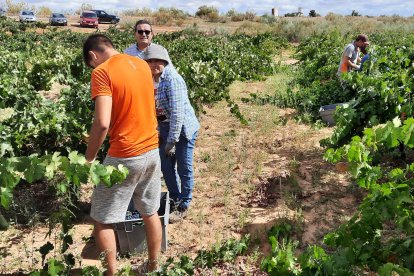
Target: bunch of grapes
(132, 215)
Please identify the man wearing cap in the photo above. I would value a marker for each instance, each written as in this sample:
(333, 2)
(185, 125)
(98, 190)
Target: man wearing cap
(143, 35)
(178, 127)
(122, 90)
(350, 56)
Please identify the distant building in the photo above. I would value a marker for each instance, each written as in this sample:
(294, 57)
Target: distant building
(275, 12)
(295, 14)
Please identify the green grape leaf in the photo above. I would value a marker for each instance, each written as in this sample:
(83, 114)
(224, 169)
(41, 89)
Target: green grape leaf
(407, 132)
(53, 166)
(5, 197)
(55, 268)
(76, 158)
(96, 172)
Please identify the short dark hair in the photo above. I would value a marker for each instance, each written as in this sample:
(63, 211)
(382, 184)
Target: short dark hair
(95, 42)
(141, 22)
(362, 37)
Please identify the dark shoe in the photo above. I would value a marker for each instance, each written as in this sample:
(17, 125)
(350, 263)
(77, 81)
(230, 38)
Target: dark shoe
(143, 269)
(174, 205)
(178, 215)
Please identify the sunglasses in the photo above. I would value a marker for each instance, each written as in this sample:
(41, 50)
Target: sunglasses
(141, 32)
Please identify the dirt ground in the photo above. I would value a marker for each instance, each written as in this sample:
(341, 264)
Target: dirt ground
(248, 178)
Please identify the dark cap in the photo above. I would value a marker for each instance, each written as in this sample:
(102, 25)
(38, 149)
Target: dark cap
(363, 38)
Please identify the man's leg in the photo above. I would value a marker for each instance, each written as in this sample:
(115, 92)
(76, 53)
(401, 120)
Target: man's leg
(105, 239)
(168, 165)
(153, 231)
(184, 155)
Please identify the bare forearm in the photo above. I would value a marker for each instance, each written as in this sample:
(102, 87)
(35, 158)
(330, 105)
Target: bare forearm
(351, 64)
(96, 138)
(100, 126)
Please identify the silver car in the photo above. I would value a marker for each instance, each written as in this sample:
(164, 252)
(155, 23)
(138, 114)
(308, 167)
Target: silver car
(58, 19)
(27, 16)
(2, 12)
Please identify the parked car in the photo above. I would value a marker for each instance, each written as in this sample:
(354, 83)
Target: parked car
(104, 17)
(2, 12)
(57, 19)
(89, 19)
(27, 16)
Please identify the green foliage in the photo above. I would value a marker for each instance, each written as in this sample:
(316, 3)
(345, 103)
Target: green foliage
(282, 260)
(220, 253)
(390, 269)
(32, 62)
(382, 230)
(236, 16)
(73, 170)
(207, 12)
(312, 13)
(355, 13)
(268, 19)
(377, 94)
(42, 131)
(380, 235)
(3, 223)
(313, 260)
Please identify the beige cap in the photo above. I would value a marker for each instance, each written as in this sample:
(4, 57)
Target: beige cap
(155, 51)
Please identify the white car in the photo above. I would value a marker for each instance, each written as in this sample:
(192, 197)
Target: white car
(27, 16)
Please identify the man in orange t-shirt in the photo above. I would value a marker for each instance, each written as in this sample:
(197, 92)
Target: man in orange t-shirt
(350, 56)
(122, 89)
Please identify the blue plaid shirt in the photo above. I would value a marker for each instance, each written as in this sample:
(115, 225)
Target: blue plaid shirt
(172, 97)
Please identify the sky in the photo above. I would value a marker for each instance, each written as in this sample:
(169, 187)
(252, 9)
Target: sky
(260, 7)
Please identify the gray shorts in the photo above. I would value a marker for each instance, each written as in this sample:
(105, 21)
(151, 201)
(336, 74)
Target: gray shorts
(143, 185)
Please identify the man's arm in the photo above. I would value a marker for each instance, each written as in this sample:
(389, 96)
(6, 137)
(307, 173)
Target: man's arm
(100, 126)
(348, 55)
(351, 64)
(176, 92)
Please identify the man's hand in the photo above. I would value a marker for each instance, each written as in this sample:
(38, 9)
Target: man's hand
(90, 160)
(169, 149)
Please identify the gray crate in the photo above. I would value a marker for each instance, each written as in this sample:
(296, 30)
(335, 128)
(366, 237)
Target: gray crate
(130, 234)
(327, 112)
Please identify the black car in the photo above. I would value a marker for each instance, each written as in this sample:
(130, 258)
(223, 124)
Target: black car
(103, 17)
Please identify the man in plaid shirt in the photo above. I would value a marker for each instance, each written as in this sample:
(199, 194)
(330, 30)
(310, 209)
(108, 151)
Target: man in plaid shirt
(178, 128)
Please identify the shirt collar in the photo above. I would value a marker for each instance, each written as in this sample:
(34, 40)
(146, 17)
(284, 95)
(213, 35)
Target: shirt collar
(165, 72)
(141, 50)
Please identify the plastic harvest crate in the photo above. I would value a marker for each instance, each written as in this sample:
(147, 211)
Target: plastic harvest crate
(327, 112)
(131, 235)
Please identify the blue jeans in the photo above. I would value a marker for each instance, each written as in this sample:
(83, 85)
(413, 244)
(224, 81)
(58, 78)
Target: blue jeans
(178, 170)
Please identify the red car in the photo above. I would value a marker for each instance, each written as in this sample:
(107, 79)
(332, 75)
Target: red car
(89, 19)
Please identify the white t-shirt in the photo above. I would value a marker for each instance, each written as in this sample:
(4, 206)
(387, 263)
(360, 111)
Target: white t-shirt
(350, 52)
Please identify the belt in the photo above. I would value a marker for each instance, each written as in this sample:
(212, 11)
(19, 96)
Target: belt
(162, 118)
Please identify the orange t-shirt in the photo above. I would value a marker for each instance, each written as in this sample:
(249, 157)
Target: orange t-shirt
(128, 80)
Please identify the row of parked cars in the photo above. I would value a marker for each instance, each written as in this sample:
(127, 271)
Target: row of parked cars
(93, 17)
(89, 18)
